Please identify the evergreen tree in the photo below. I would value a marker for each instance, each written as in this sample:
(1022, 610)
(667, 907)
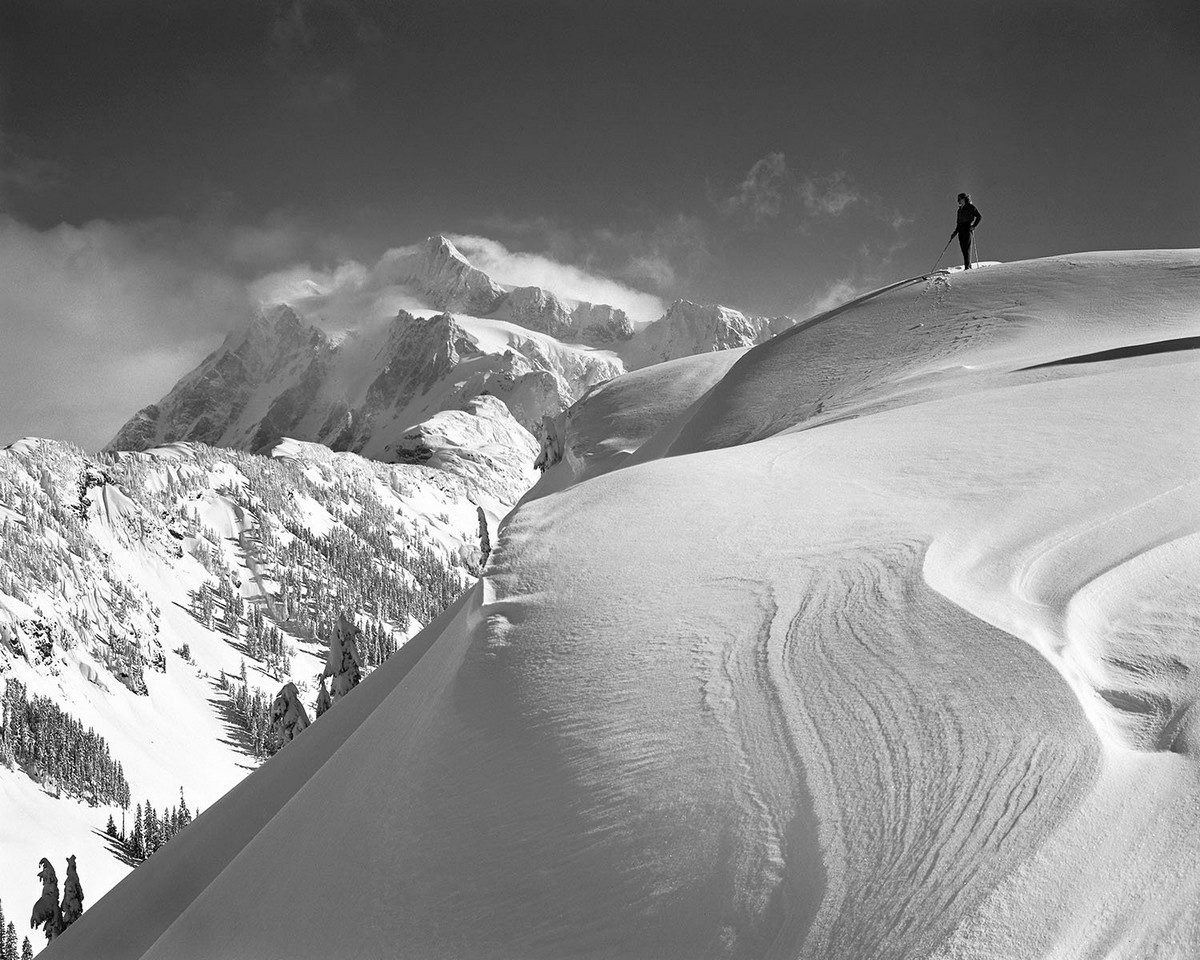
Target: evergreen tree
(150, 828)
(485, 542)
(137, 842)
(343, 665)
(3, 952)
(10, 940)
(72, 901)
(111, 827)
(185, 815)
(46, 911)
(288, 716)
(323, 701)
(26, 950)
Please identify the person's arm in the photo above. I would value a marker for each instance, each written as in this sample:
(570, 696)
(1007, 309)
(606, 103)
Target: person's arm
(978, 218)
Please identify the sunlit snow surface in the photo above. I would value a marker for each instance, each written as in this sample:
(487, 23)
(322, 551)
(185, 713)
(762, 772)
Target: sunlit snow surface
(882, 646)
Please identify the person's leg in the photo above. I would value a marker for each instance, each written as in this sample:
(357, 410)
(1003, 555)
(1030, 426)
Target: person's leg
(964, 242)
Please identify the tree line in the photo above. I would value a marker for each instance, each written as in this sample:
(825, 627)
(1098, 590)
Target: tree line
(8, 941)
(53, 747)
(151, 829)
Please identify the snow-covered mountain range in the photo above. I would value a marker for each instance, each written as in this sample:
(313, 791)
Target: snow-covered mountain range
(297, 473)
(878, 639)
(367, 391)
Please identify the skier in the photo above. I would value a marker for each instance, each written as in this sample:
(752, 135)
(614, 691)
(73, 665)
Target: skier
(968, 220)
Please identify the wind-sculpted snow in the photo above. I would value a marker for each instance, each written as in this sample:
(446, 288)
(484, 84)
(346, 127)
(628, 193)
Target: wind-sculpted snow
(954, 332)
(617, 418)
(915, 683)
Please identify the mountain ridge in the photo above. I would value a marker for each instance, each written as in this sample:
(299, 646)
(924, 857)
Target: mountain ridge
(279, 375)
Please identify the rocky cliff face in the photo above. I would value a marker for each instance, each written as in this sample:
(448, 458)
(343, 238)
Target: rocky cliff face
(689, 328)
(273, 351)
(600, 323)
(281, 377)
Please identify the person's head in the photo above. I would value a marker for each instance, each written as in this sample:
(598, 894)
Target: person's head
(964, 198)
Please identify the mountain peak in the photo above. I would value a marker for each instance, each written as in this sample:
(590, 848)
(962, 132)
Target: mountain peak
(269, 325)
(687, 328)
(439, 271)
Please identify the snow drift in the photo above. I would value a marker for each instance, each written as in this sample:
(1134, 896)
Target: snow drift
(882, 644)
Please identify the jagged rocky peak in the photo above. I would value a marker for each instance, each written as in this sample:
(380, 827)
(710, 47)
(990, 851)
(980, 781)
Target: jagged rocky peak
(688, 328)
(427, 342)
(440, 272)
(270, 329)
(536, 309)
(600, 323)
(273, 344)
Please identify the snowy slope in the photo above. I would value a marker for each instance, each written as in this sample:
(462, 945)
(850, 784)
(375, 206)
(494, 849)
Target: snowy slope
(883, 646)
(102, 561)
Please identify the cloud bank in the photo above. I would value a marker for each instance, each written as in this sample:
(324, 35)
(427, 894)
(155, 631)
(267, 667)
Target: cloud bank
(535, 270)
(101, 319)
(98, 320)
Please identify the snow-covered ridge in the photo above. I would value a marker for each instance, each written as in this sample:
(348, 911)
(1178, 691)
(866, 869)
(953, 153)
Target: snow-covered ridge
(437, 270)
(879, 643)
(689, 328)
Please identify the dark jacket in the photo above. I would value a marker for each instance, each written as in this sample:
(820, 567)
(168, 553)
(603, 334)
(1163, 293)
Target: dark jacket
(968, 217)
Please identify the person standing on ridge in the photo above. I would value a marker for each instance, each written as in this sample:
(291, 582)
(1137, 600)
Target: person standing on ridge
(968, 220)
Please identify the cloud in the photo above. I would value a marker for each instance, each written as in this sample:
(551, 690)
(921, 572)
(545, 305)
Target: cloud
(834, 295)
(670, 255)
(772, 193)
(101, 319)
(762, 194)
(316, 45)
(567, 280)
(353, 294)
(21, 171)
(348, 296)
(829, 195)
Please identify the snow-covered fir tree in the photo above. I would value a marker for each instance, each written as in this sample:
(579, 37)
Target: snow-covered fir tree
(343, 666)
(323, 701)
(288, 716)
(47, 913)
(72, 901)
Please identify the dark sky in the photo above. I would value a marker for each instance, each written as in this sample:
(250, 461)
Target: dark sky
(765, 155)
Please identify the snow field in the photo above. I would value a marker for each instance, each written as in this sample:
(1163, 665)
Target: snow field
(880, 647)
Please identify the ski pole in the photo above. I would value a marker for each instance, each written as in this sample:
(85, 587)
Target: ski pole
(943, 253)
(975, 244)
